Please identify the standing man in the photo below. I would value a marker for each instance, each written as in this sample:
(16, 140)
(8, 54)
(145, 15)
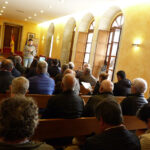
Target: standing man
(29, 53)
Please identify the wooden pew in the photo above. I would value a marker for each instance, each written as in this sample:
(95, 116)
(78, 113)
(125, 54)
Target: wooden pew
(119, 98)
(40, 99)
(4, 96)
(58, 128)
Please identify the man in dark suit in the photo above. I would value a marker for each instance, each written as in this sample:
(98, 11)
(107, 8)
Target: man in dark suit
(123, 86)
(6, 75)
(113, 135)
(65, 105)
(105, 90)
(41, 83)
(136, 99)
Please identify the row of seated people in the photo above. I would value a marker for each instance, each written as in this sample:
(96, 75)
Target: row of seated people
(19, 118)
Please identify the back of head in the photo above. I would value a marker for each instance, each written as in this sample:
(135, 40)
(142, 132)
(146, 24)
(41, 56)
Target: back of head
(12, 58)
(103, 76)
(121, 74)
(71, 65)
(42, 67)
(18, 118)
(7, 65)
(139, 85)
(64, 67)
(68, 82)
(18, 59)
(19, 86)
(144, 113)
(34, 63)
(86, 65)
(110, 112)
(87, 71)
(55, 62)
(69, 71)
(106, 86)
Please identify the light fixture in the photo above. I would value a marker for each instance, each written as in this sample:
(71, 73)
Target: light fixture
(137, 42)
(35, 14)
(29, 17)
(25, 19)
(6, 2)
(41, 11)
(61, 1)
(2, 11)
(0, 14)
(50, 6)
(4, 7)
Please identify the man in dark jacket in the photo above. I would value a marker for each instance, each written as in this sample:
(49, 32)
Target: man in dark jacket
(136, 99)
(105, 90)
(123, 86)
(6, 75)
(65, 105)
(113, 135)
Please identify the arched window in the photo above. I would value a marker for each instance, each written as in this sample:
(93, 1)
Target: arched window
(89, 43)
(113, 44)
(51, 46)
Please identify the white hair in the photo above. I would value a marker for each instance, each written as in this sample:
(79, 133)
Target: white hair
(107, 86)
(140, 85)
(20, 85)
(71, 65)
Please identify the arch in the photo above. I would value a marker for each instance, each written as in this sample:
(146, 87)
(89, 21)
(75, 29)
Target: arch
(85, 22)
(67, 39)
(107, 17)
(50, 33)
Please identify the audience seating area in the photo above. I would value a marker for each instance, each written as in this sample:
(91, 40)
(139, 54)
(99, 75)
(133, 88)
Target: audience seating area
(58, 128)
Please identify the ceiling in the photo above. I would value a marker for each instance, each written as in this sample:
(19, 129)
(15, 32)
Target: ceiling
(52, 9)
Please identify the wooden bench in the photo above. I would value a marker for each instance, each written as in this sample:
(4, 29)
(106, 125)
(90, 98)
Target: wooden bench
(58, 128)
(86, 98)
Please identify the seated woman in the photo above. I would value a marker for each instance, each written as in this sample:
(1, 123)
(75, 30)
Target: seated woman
(102, 76)
(144, 115)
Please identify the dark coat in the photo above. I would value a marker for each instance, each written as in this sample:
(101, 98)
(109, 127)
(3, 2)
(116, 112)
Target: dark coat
(132, 103)
(53, 71)
(96, 89)
(113, 139)
(122, 87)
(89, 109)
(15, 72)
(5, 81)
(65, 105)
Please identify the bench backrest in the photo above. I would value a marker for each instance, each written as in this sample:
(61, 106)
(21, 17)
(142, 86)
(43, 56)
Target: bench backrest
(57, 128)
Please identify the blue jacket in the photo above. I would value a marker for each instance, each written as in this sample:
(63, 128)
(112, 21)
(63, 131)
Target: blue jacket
(41, 84)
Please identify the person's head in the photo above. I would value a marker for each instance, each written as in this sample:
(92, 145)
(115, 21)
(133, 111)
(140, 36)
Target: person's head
(42, 67)
(106, 86)
(121, 75)
(68, 82)
(71, 65)
(108, 113)
(64, 67)
(144, 114)
(54, 62)
(87, 71)
(86, 65)
(30, 41)
(18, 59)
(34, 63)
(19, 86)
(18, 118)
(103, 76)
(7, 65)
(67, 71)
(139, 86)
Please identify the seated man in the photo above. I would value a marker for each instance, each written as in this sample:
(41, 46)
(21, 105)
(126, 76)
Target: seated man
(41, 83)
(65, 105)
(105, 90)
(5, 75)
(123, 86)
(88, 77)
(134, 101)
(144, 115)
(20, 86)
(113, 135)
(19, 118)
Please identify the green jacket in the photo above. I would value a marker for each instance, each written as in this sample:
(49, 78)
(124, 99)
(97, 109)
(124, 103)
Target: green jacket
(26, 146)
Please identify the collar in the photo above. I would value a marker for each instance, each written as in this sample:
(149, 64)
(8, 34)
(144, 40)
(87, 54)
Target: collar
(118, 126)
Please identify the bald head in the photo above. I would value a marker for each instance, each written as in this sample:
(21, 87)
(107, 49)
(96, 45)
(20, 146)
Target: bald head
(68, 82)
(7, 65)
(106, 86)
(67, 71)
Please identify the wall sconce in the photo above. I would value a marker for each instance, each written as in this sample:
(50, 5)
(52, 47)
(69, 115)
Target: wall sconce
(57, 39)
(137, 42)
